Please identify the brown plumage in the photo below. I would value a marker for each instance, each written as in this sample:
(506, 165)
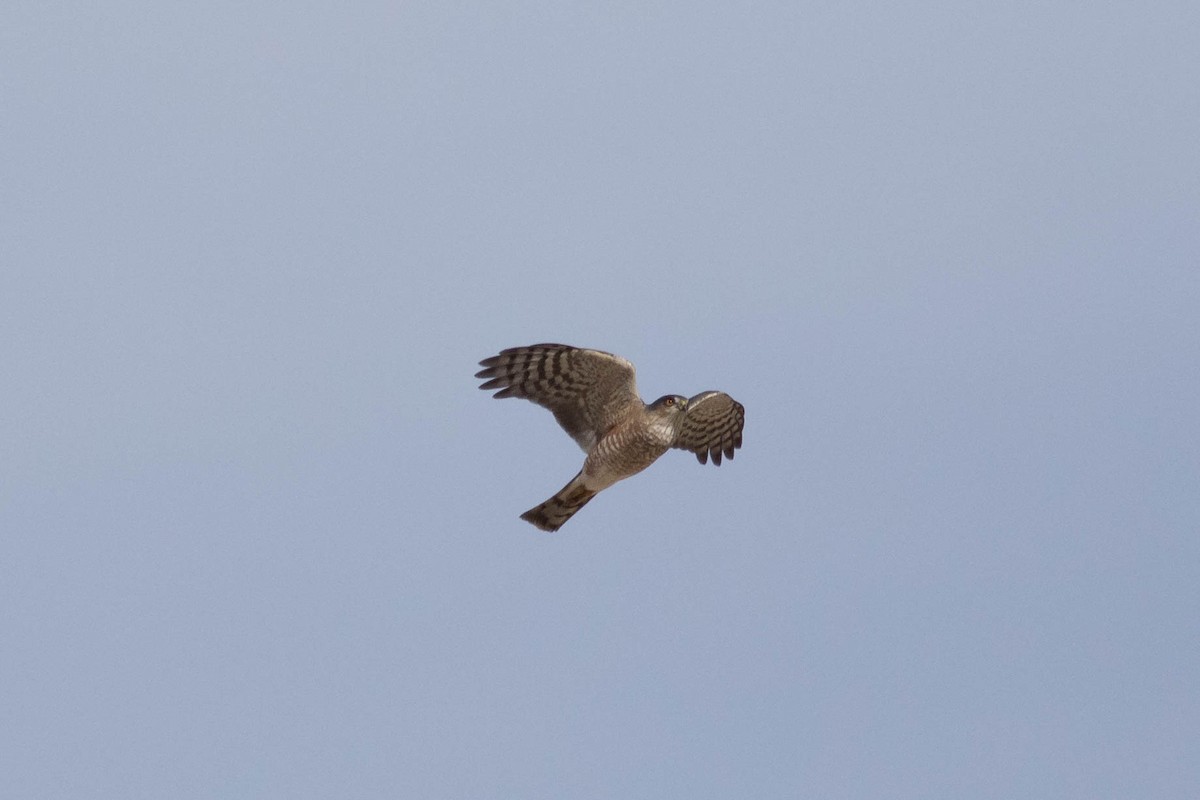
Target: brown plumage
(593, 395)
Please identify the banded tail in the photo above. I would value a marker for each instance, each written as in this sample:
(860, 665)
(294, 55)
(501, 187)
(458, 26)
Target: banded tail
(550, 515)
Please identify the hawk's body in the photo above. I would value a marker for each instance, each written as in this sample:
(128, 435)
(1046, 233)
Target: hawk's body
(593, 395)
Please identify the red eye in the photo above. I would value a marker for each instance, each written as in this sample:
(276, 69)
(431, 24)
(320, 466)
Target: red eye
(670, 401)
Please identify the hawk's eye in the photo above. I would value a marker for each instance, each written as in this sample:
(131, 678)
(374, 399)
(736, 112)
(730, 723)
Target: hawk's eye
(670, 401)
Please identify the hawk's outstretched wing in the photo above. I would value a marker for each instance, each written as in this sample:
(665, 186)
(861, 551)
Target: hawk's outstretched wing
(588, 390)
(712, 426)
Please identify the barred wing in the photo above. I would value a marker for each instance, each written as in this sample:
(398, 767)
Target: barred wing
(587, 390)
(712, 426)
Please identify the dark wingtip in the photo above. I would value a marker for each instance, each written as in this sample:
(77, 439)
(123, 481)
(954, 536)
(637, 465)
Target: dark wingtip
(702, 456)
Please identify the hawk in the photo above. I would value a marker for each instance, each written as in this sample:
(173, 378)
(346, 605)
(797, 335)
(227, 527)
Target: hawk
(594, 397)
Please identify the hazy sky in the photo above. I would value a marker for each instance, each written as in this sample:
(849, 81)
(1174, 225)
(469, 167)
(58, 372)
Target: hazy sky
(259, 530)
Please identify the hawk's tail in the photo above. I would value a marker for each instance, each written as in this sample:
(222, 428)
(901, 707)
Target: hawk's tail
(550, 515)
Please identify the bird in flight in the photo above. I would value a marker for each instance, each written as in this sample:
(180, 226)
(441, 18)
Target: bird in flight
(594, 397)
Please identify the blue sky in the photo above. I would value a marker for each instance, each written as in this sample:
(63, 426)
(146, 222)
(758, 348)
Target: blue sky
(260, 531)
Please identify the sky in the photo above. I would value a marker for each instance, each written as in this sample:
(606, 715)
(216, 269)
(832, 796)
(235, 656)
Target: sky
(259, 531)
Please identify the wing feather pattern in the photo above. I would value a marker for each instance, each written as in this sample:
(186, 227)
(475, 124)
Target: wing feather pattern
(712, 427)
(586, 390)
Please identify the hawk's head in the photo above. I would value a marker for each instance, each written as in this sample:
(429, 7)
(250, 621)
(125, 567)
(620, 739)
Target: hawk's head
(666, 414)
(676, 403)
